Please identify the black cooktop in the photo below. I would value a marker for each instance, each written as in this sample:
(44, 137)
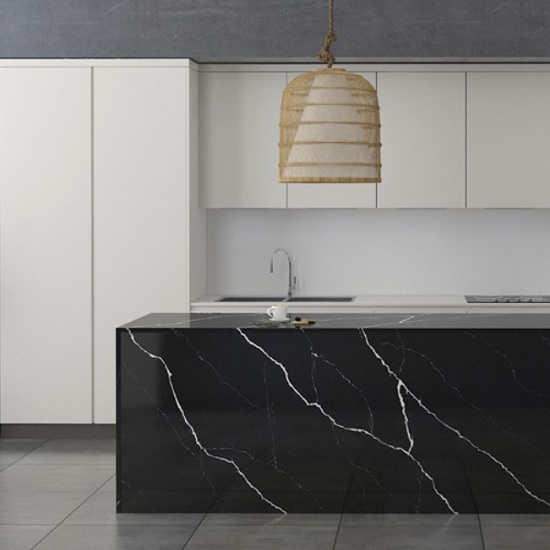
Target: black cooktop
(509, 299)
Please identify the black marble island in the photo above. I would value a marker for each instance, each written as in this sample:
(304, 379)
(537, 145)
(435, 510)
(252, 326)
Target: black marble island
(386, 413)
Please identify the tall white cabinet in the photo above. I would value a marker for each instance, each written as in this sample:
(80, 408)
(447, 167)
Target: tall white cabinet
(108, 167)
(45, 245)
(98, 207)
(140, 206)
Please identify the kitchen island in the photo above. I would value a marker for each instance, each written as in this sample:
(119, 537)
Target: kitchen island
(426, 413)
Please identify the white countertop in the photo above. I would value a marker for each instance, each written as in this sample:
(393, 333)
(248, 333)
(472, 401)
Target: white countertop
(372, 303)
(411, 299)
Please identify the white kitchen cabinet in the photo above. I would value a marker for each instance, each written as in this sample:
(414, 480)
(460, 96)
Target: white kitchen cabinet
(423, 140)
(508, 140)
(423, 143)
(329, 195)
(141, 206)
(332, 195)
(45, 245)
(239, 136)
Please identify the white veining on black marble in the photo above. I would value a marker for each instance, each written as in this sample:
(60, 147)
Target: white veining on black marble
(189, 319)
(414, 386)
(194, 434)
(165, 417)
(460, 320)
(400, 388)
(335, 423)
(510, 363)
(270, 420)
(545, 339)
(161, 412)
(453, 388)
(351, 461)
(403, 386)
(180, 335)
(396, 320)
(317, 356)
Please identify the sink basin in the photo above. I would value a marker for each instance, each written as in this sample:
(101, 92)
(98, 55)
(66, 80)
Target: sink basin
(321, 299)
(276, 299)
(252, 299)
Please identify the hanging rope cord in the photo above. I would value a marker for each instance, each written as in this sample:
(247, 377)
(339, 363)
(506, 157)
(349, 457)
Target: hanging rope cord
(325, 55)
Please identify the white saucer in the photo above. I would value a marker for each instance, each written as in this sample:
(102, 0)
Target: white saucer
(285, 320)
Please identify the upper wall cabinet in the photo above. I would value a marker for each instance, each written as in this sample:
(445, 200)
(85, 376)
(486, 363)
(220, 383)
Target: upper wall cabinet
(452, 137)
(239, 136)
(423, 140)
(509, 140)
(337, 195)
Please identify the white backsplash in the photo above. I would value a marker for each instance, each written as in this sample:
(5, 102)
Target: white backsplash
(380, 251)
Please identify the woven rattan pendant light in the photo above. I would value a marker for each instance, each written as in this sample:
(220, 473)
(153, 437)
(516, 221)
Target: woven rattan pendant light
(330, 125)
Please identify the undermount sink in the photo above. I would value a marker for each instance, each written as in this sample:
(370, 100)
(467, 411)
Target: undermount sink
(321, 299)
(251, 299)
(284, 299)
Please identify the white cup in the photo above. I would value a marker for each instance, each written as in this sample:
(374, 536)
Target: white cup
(277, 312)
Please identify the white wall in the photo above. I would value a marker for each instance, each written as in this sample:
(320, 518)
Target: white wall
(381, 251)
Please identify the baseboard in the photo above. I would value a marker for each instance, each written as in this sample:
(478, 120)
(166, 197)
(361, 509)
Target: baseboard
(58, 431)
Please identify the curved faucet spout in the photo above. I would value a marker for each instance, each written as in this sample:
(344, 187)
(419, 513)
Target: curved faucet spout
(291, 277)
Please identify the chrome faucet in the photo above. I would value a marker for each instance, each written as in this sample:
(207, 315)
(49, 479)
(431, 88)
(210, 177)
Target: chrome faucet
(291, 277)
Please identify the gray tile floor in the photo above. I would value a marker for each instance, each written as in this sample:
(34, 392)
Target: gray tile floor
(60, 494)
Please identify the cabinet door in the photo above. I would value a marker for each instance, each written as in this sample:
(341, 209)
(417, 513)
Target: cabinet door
(45, 245)
(329, 195)
(423, 140)
(140, 206)
(508, 140)
(239, 137)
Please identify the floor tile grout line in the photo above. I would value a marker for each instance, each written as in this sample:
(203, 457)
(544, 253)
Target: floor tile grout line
(26, 454)
(222, 526)
(63, 465)
(338, 531)
(482, 538)
(194, 531)
(481, 535)
(53, 463)
(72, 512)
(69, 515)
(346, 497)
(473, 495)
(200, 522)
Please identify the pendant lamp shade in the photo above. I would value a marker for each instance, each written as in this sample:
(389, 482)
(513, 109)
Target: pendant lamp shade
(329, 129)
(330, 125)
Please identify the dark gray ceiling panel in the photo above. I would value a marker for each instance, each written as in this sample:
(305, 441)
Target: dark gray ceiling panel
(277, 30)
